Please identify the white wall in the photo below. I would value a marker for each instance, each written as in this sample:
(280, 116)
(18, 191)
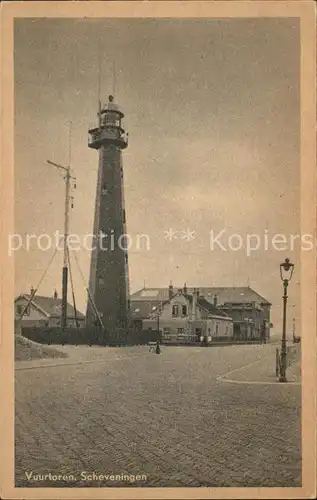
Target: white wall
(35, 314)
(184, 327)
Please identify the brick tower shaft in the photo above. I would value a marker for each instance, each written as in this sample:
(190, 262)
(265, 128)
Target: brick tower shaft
(108, 305)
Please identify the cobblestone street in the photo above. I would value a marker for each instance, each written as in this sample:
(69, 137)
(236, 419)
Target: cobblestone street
(188, 417)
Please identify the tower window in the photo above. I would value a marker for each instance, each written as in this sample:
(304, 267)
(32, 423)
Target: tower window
(123, 215)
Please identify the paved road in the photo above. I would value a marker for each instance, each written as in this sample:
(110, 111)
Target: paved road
(170, 418)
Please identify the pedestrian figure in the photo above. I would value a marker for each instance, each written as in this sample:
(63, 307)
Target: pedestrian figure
(152, 347)
(158, 349)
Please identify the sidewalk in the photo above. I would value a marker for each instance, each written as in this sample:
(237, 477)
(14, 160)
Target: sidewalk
(262, 371)
(294, 372)
(81, 355)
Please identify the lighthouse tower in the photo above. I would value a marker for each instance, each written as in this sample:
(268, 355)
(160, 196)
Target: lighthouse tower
(108, 301)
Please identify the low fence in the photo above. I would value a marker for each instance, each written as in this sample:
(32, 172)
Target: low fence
(96, 336)
(213, 343)
(86, 336)
(293, 354)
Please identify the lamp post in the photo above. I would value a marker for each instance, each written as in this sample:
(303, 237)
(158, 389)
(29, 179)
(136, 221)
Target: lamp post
(286, 272)
(157, 309)
(294, 330)
(248, 322)
(251, 329)
(158, 324)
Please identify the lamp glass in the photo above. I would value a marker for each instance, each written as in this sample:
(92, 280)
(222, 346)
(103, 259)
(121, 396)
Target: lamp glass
(286, 270)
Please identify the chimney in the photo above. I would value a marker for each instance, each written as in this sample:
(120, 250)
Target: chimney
(215, 300)
(55, 294)
(170, 291)
(32, 291)
(185, 289)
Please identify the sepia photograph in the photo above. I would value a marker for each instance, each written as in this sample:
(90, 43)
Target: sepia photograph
(164, 251)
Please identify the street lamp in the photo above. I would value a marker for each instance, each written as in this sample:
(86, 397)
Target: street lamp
(157, 309)
(248, 328)
(246, 323)
(286, 273)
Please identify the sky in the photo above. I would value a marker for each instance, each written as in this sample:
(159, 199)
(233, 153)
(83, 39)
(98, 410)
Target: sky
(212, 108)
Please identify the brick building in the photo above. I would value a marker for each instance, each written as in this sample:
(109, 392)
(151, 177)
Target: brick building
(44, 311)
(249, 311)
(186, 318)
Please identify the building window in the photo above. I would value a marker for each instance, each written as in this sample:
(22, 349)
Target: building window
(184, 310)
(175, 310)
(19, 309)
(180, 333)
(166, 334)
(217, 327)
